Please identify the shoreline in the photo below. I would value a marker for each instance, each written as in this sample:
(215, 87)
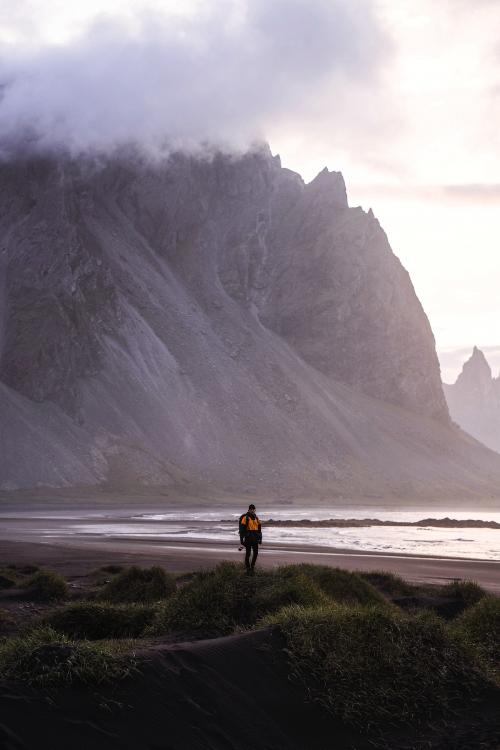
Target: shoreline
(77, 557)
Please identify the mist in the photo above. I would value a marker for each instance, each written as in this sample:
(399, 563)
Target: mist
(224, 77)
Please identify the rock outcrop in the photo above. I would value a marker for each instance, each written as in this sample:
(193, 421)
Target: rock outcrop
(214, 321)
(474, 400)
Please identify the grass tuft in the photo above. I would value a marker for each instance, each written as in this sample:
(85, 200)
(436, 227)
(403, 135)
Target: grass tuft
(46, 586)
(389, 584)
(100, 620)
(212, 603)
(340, 585)
(24, 570)
(479, 626)
(278, 590)
(373, 666)
(6, 620)
(136, 584)
(467, 592)
(111, 569)
(44, 657)
(8, 579)
(215, 602)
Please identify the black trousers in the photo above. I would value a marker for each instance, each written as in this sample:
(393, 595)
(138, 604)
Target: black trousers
(252, 547)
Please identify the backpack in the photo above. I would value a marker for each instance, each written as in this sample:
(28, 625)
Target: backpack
(243, 528)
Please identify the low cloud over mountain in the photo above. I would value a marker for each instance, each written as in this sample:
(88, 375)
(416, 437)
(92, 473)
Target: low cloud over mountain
(224, 75)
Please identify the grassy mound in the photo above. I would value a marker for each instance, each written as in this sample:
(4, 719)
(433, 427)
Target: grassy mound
(136, 584)
(339, 585)
(467, 593)
(388, 584)
(111, 569)
(5, 620)
(215, 602)
(23, 570)
(479, 626)
(212, 603)
(372, 666)
(277, 590)
(44, 657)
(99, 620)
(46, 586)
(8, 579)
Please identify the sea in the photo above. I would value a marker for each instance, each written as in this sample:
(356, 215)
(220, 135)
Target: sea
(218, 525)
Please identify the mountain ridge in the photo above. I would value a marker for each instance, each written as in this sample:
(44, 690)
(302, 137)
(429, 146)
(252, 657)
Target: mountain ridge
(215, 321)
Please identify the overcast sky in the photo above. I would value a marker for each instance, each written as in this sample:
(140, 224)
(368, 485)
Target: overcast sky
(403, 96)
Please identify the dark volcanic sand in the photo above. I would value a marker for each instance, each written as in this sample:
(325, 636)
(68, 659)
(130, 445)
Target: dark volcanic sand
(77, 557)
(230, 693)
(224, 693)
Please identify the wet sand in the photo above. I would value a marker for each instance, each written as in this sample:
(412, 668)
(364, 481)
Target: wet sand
(76, 556)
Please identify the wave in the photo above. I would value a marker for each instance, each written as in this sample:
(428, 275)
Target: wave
(443, 523)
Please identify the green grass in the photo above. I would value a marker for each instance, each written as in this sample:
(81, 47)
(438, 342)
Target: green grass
(390, 585)
(216, 602)
(479, 626)
(99, 620)
(339, 585)
(8, 579)
(46, 586)
(6, 620)
(356, 654)
(467, 592)
(136, 584)
(372, 666)
(23, 570)
(44, 657)
(211, 603)
(112, 569)
(277, 590)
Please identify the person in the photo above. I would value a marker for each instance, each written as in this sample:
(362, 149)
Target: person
(250, 536)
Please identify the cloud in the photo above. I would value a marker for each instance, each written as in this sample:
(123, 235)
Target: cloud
(474, 192)
(226, 76)
(465, 193)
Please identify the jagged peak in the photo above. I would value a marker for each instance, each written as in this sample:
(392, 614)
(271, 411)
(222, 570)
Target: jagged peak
(476, 370)
(331, 184)
(478, 357)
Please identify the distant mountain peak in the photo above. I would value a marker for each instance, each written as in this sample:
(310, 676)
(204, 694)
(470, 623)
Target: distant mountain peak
(474, 400)
(476, 371)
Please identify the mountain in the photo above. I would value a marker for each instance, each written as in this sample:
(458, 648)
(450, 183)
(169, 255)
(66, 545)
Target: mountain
(213, 323)
(474, 400)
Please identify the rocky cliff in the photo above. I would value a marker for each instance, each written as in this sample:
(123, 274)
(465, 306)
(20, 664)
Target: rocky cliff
(474, 400)
(214, 321)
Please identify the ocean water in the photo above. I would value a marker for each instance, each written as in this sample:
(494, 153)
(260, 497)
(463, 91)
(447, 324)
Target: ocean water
(219, 525)
(468, 542)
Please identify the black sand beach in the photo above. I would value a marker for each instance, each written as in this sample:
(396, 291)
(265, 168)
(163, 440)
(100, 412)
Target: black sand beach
(74, 557)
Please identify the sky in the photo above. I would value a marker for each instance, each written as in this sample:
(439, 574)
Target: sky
(402, 96)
